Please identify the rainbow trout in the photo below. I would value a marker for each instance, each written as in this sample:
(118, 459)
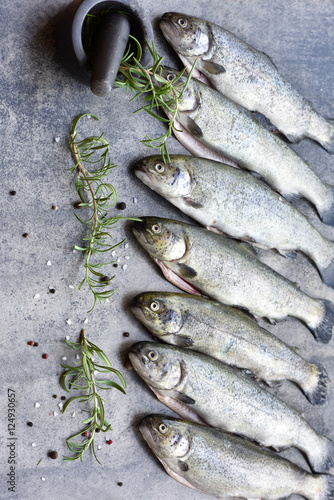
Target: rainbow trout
(246, 76)
(204, 263)
(226, 127)
(223, 465)
(204, 390)
(237, 204)
(229, 335)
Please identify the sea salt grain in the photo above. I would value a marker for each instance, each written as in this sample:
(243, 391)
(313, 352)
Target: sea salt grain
(33, 445)
(69, 321)
(86, 321)
(67, 337)
(37, 405)
(77, 356)
(60, 406)
(43, 478)
(37, 296)
(124, 266)
(49, 263)
(71, 286)
(113, 253)
(73, 414)
(127, 257)
(135, 200)
(126, 245)
(55, 413)
(99, 447)
(64, 358)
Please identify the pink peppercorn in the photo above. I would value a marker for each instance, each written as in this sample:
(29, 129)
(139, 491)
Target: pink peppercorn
(45, 356)
(109, 441)
(31, 342)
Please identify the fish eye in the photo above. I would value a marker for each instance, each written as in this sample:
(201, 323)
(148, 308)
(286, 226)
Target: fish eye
(152, 355)
(182, 22)
(159, 167)
(170, 77)
(154, 306)
(163, 428)
(156, 228)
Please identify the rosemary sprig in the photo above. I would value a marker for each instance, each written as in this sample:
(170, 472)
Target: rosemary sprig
(92, 184)
(156, 89)
(82, 378)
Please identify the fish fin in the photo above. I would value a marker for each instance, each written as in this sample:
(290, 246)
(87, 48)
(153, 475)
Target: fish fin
(323, 332)
(272, 321)
(187, 271)
(248, 247)
(266, 123)
(321, 457)
(187, 400)
(176, 279)
(293, 138)
(316, 388)
(269, 60)
(327, 274)
(327, 216)
(183, 341)
(327, 489)
(183, 465)
(193, 128)
(213, 68)
(290, 254)
(192, 203)
(291, 197)
(329, 145)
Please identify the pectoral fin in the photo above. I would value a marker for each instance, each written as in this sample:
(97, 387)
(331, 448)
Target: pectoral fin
(187, 400)
(193, 128)
(183, 341)
(213, 68)
(187, 271)
(192, 203)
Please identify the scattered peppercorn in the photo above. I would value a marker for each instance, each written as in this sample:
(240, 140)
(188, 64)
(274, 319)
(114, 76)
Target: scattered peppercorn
(25, 235)
(109, 441)
(36, 344)
(105, 278)
(12, 193)
(97, 430)
(86, 433)
(77, 205)
(121, 205)
(54, 207)
(63, 398)
(52, 290)
(30, 424)
(119, 483)
(45, 356)
(31, 342)
(115, 265)
(126, 334)
(55, 396)
(53, 454)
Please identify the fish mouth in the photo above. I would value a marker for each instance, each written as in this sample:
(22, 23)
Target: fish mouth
(138, 231)
(141, 172)
(167, 26)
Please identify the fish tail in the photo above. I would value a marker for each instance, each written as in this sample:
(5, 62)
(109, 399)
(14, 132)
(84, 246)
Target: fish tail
(329, 145)
(326, 490)
(316, 388)
(327, 215)
(323, 332)
(327, 274)
(320, 454)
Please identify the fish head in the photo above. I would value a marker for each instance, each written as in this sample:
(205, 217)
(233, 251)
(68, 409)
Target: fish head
(169, 438)
(171, 179)
(157, 364)
(161, 312)
(164, 239)
(188, 35)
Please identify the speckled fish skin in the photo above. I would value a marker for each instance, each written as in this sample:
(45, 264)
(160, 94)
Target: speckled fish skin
(204, 263)
(223, 465)
(202, 389)
(235, 202)
(247, 76)
(228, 128)
(229, 335)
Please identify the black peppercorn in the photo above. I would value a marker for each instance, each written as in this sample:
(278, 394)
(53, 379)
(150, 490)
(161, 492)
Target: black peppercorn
(53, 454)
(121, 205)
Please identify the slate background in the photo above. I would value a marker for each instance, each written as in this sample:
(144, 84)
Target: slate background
(38, 101)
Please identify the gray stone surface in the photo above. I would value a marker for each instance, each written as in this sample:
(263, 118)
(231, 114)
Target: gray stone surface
(38, 102)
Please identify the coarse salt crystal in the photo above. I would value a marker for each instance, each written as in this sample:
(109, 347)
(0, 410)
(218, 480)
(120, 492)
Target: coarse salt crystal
(86, 321)
(55, 413)
(74, 250)
(135, 200)
(77, 356)
(64, 358)
(43, 478)
(124, 266)
(57, 139)
(126, 245)
(69, 321)
(33, 445)
(113, 253)
(99, 447)
(49, 263)
(73, 414)
(37, 405)
(71, 286)
(67, 337)
(127, 257)
(36, 296)
(60, 406)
